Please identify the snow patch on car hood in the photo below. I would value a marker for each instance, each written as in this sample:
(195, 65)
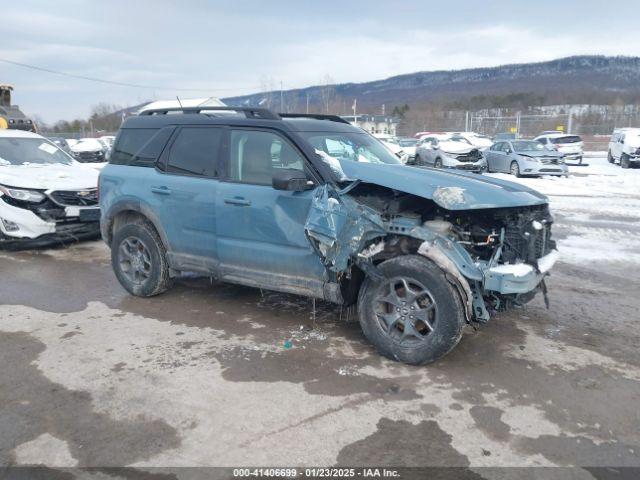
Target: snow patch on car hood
(52, 176)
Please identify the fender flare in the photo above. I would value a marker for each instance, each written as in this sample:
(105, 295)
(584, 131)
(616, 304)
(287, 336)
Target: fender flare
(132, 206)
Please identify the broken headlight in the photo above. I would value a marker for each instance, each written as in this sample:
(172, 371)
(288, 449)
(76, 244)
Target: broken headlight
(22, 194)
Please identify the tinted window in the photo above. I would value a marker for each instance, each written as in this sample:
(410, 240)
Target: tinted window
(567, 139)
(254, 155)
(129, 142)
(195, 151)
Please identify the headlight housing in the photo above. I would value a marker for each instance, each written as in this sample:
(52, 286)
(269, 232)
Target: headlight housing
(22, 194)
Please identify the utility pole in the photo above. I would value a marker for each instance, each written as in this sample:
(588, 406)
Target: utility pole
(307, 102)
(281, 98)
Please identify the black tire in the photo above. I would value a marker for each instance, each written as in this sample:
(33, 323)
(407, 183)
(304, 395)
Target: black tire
(514, 169)
(417, 160)
(437, 163)
(446, 319)
(624, 161)
(155, 279)
(610, 158)
(580, 161)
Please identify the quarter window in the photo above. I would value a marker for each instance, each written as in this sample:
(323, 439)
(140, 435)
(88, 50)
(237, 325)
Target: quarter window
(195, 151)
(129, 143)
(255, 154)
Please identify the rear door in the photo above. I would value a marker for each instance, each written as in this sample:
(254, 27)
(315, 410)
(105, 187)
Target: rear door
(185, 189)
(260, 230)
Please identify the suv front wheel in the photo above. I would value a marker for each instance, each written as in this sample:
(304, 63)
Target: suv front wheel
(139, 260)
(414, 315)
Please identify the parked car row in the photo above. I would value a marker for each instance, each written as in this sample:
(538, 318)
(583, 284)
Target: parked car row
(546, 154)
(87, 150)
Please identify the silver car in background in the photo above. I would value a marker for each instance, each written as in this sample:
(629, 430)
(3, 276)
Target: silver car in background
(449, 151)
(525, 157)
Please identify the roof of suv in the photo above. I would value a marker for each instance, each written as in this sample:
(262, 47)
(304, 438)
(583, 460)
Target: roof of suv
(297, 124)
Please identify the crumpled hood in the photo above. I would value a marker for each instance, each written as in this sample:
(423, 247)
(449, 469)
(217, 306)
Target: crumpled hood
(449, 189)
(455, 147)
(45, 177)
(540, 153)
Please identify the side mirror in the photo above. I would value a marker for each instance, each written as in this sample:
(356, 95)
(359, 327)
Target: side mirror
(290, 179)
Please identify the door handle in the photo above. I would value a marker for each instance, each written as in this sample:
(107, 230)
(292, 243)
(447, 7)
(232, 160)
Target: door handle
(239, 201)
(161, 190)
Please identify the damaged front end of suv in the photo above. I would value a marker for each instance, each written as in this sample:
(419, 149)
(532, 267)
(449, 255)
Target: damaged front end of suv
(491, 239)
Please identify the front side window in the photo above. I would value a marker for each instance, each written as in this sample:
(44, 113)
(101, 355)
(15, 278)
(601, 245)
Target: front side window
(31, 151)
(195, 151)
(254, 154)
(496, 147)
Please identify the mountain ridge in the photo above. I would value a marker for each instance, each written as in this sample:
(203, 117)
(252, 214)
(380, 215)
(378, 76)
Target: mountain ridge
(575, 79)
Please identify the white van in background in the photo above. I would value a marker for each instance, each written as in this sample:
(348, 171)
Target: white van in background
(624, 147)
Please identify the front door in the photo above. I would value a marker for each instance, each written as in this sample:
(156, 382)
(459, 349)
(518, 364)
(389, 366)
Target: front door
(260, 230)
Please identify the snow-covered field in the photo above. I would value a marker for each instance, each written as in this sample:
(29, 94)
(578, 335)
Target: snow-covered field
(597, 211)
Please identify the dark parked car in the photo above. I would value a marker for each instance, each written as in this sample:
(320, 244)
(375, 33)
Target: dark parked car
(311, 205)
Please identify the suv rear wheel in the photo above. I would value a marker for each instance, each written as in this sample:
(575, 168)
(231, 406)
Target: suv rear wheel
(415, 315)
(610, 158)
(139, 261)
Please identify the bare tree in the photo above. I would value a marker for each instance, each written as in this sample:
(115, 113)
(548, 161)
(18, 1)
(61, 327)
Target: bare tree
(327, 92)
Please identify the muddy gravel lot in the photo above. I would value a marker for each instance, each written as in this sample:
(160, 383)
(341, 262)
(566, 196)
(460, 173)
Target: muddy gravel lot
(222, 375)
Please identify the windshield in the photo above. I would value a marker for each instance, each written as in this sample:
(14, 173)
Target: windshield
(457, 138)
(31, 151)
(353, 147)
(527, 146)
(408, 142)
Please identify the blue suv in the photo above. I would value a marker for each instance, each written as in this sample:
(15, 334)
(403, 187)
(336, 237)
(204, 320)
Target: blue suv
(311, 205)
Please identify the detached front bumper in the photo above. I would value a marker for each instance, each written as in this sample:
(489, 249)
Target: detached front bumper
(519, 278)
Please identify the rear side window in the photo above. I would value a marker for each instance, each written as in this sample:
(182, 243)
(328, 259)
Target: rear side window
(195, 151)
(129, 143)
(567, 139)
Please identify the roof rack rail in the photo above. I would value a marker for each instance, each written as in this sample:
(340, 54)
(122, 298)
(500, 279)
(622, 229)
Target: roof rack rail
(316, 116)
(263, 113)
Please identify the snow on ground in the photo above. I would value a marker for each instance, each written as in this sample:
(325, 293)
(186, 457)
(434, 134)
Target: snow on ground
(597, 211)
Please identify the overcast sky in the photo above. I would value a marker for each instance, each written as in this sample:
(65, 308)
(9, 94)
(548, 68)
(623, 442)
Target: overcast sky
(224, 48)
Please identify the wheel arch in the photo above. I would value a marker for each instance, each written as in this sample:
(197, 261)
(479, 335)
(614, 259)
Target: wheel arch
(128, 211)
(393, 245)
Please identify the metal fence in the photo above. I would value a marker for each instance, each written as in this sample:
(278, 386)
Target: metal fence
(587, 122)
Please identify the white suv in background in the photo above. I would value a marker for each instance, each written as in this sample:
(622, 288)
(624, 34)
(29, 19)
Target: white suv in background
(569, 145)
(624, 147)
(45, 195)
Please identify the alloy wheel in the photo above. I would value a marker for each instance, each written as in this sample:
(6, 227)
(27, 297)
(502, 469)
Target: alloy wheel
(406, 310)
(135, 260)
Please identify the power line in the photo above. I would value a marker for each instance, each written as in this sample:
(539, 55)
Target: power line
(111, 82)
